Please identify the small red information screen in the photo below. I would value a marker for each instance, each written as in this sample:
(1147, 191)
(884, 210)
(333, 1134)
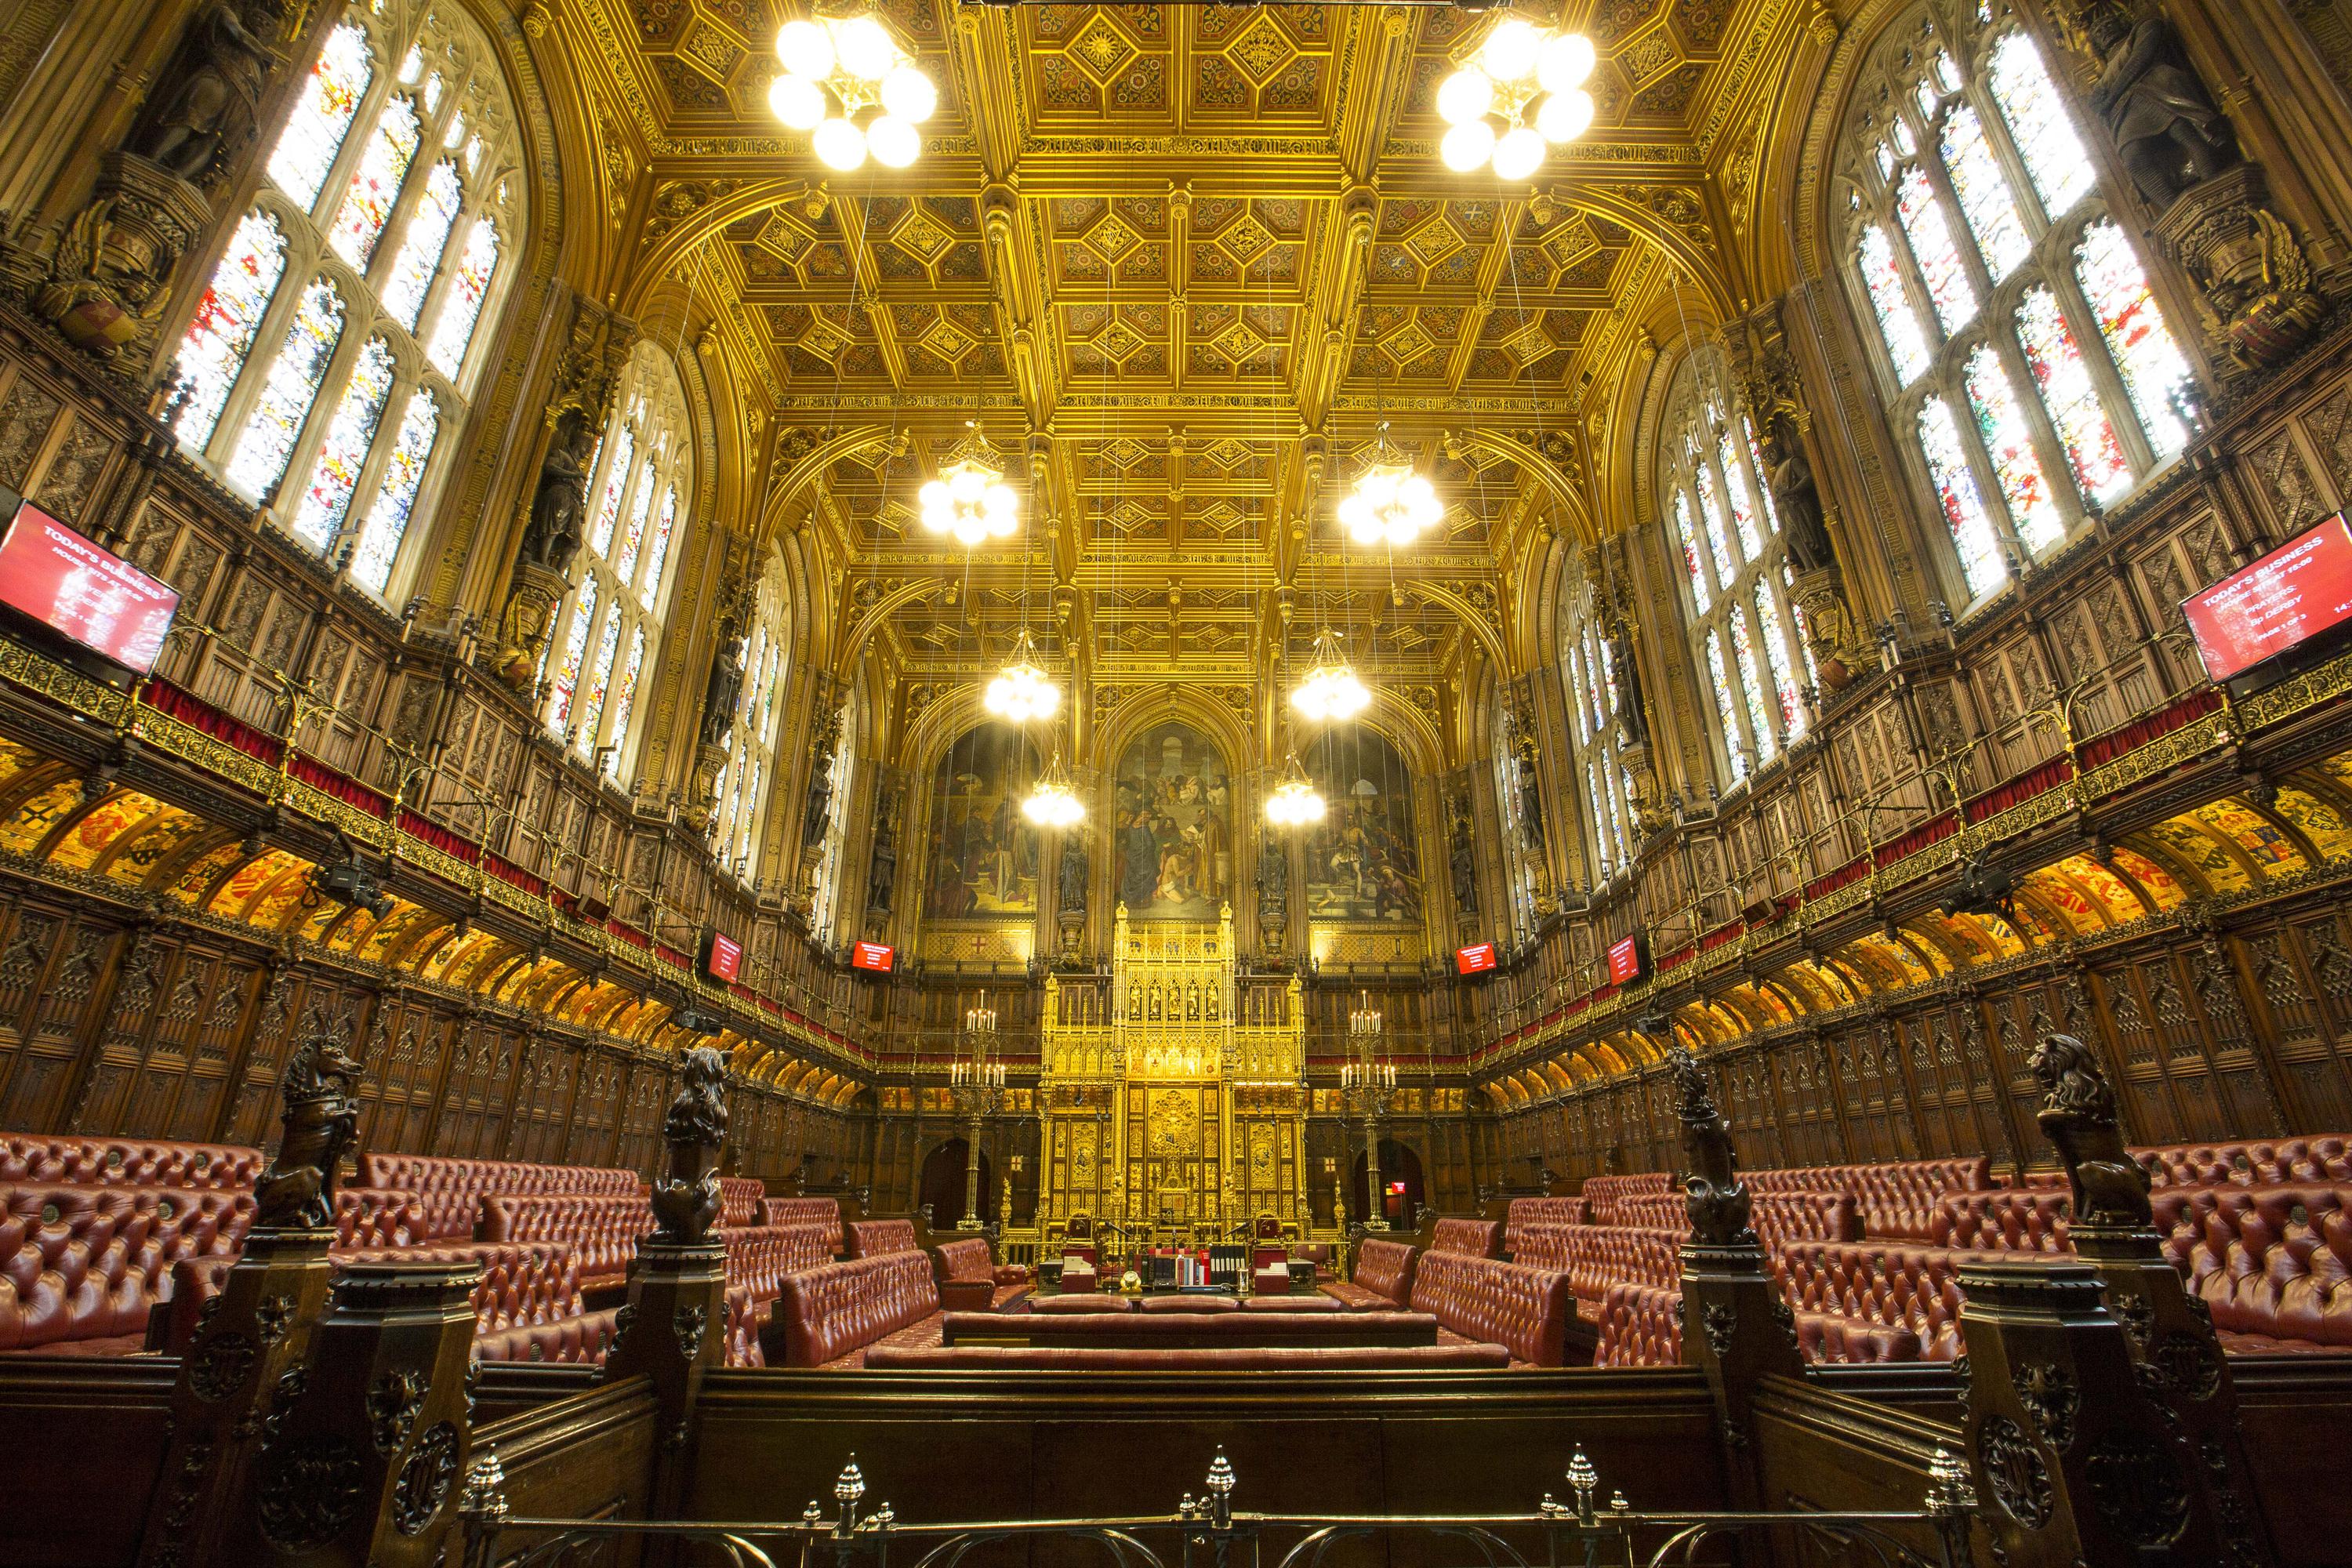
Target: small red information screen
(872, 955)
(2296, 592)
(1624, 960)
(722, 958)
(100, 601)
(1474, 960)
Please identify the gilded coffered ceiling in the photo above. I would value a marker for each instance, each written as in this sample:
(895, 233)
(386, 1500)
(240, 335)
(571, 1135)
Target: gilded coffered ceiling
(1180, 262)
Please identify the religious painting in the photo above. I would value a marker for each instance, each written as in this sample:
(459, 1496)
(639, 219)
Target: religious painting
(1173, 827)
(983, 854)
(1361, 863)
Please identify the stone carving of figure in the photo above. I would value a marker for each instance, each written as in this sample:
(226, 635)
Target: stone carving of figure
(1631, 720)
(1273, 876)
(216, 83)
(820, 800)
(726, 686)
(2165, 123)
(882, 877)
(1531, 814)
(1461, 859)
(1073, 885)
(1796, 499)
(561, 500)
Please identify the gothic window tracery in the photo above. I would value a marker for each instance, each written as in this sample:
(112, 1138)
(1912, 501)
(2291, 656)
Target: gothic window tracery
(1589, 668)
(329, 365)
(609, 628)
(751, 741)
(1742, 627)
(2032, 374)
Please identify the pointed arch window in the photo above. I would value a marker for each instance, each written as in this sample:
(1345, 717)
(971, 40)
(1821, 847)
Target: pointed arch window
(2029, 363)
(1589, 668)
(387, 190)
(642, 465)
(1740, 606)
(750, 739)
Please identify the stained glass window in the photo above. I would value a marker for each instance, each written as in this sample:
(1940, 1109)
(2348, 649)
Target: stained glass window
(375, 183)
(1609, 674)
(323, 116)
(421, 247)
(600, 682)
(2038, 125)
(1750, 688)
(1718, 546)
(461, 305)
(576, 649)
(1775, 658)
(2154, 374)
(660, 556)
(1940, 267)
(1948, 467)
(266, 444)
(1580, 684)
(227, 317)
(350, 435)
(1724, 706)
(2009, 441)
(1690, 551)
(1983, 193)
(624, 442)
(625, 699)
(1898, 325)
(1743, 503)
(1763, 479)
(2071, 396)
(1804, 627)
(395, 497)
(625, 563)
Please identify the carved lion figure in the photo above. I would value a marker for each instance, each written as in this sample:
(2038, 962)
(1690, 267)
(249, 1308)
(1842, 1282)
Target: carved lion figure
(320, 1119)
(2078, 1116)
(686, 1200)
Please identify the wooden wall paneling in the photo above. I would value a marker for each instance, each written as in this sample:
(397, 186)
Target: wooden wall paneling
(2320, 1096)
(203, 1091)
(2182, 1047)
(49, 973)
(124, 1010)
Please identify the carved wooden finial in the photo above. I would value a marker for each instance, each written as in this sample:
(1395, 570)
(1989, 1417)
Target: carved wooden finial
(2078, 1116)
(686, 1199)
(320, 1119)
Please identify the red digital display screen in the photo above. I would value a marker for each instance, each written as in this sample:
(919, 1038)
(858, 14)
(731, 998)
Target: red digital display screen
(2296, 592)
(872, 955)
(1624, 960)
(722, 958)
(1474, 960)
(100, 601)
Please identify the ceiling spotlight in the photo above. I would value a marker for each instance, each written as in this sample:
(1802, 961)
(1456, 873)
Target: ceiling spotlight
(1521, 89)
(1053, 803)
(1020, 692)
(852, 61)
(970, 498)
(1390, 504)
(1329, 690)
(1295, 800)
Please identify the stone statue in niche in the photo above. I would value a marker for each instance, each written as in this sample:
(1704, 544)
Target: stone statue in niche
(1632, 721)
(882, 875)
(1531, 814)
(561, 501)
(2165, 126)
(216, 85)
(1072, 887)
(1796, 498)
(725, 688)
(1461, 858)
(818, 808)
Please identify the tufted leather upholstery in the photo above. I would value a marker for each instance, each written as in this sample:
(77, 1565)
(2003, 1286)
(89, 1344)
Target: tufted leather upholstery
(2273, 1262)
(433, 1173)
(603, 1231)
(1641, 1325)
(871, 1238)
(969, 1279)
(375, 1216)
(523, 1282)
(128, 1161)
(1783, 1217)
(1082, 1302)
(760, 1256)
(1526, 1212)
(1237, 1327)
(1822, 1337)
(828, 1313)
(1893, 1284)
(823, 1213)
(738, 1200)
(576, 1340)
(2319, 1157)
(1601, 1192)
(1654, 1211)
(2022, 1219)
(1898, 1198)
(1217, 1358)
(744, 1318)
(81, 1267)
(1384, 1275)
(1595, 1256)
(1470, 1238)
(1523, 1309)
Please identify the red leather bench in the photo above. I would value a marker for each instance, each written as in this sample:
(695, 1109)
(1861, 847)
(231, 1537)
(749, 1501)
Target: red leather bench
(1896, 1285)
(1526, 1212)
(1082, 1302)
(1468, 1237)
(738, 1201)
(1641, 1325)
(82, 1268)
(523, 1284)
(830, 1313)
(745, 1318)
(1220, 1358)
(1384, 1277)
(1171, 1331)
(375, 1216)
(760, 1256)
(2273, 1262)
(2016, 1219)
(2263, 1162)
(1525, 1310)
(823, 1213)
(128, 1163)
(602, 1232)
(1898, 1198)
(435, 1172)
(873, 1238)
(970, 1279)
(1601, 1192)
(577, 1340)
(1595, 1256)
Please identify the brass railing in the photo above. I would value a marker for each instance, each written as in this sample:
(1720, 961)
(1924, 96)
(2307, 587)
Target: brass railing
(1210, 1533)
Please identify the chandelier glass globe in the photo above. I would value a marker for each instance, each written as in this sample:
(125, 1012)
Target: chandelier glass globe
(849, 83)
(1053, 803)
(1520, 93)
(1329, 693)
(1020, 692)
(970, 500)
(1295, 802)
(1390, 504)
